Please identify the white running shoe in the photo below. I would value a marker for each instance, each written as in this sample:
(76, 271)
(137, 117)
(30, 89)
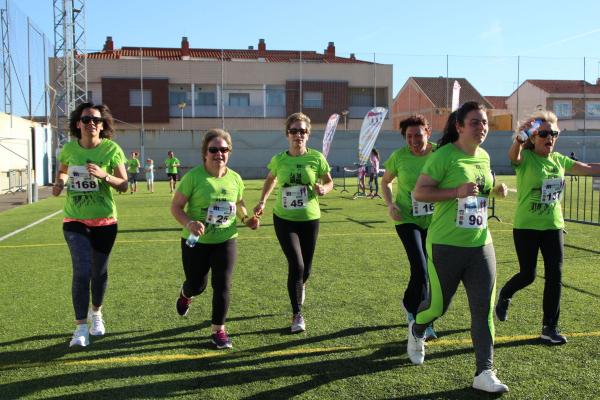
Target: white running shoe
(97, 327)
(298, 324)
(489, 382)
(415, 346)
(81, 336)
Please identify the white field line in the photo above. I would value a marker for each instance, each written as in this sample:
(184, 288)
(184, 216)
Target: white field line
(39, 221)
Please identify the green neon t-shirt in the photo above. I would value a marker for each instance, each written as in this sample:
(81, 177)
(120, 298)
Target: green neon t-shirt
(133, 166)
(540, 182)
(89, 197)
(406, 167)
(296, 177)
(212, 201)
(451, 167)
(172, 164)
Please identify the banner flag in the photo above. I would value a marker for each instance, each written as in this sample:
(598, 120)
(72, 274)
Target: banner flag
(368, 133)
(455, 96)
(329, 132)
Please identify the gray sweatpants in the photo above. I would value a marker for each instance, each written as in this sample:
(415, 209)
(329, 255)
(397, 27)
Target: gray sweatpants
(476, 268)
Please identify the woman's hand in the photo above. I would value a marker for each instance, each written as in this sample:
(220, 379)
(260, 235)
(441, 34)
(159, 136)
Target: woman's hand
(259, 209)
(58, 186)
(394, 212)
(466, 190)
(319, 189)
(253, 222)
(96, 171)
(500, 190)
(196, 227)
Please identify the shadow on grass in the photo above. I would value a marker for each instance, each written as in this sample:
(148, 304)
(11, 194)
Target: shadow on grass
(465, 393)
(277, 363)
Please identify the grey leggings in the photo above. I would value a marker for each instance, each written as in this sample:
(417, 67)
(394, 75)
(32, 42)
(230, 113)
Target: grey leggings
(476, 268)
(90, 248)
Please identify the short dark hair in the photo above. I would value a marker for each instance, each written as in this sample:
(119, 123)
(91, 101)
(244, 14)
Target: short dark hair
(413, 120)
(107, 120)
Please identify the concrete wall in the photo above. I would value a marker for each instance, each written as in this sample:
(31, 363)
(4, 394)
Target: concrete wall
(253, 150)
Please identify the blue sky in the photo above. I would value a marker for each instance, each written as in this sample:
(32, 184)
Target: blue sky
(481, 40)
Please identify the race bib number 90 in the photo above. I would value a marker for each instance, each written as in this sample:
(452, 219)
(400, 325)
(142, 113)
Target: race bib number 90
(80, 179)
(551, 190)
(472, 213)
(419, 208)
(294, 197)
(220, 212)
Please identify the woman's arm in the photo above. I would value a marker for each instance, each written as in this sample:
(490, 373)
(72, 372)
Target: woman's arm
(268, 186)
(325, 187)
(426, 190)
(514, 152)
(177, 210)
(251, 222)
(386, 187)
(61, 179)
(580, 168)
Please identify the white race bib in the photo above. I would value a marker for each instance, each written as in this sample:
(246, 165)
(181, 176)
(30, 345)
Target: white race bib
(472, 212)
(80, 179)
(419, 208)
(220, 212)
(551, 190)
(294, 197)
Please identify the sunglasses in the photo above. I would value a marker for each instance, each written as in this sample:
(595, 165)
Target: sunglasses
(293, 131)
(87, 119)
(215, 150)
(545, 134)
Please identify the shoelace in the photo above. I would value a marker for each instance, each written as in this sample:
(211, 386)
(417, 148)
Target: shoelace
(97, 321)
(221, 336)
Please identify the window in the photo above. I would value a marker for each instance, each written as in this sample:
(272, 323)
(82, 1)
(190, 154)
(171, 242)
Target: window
(312, 100)
(361, 97)
(179, 94)
(592, 109)
(135, 98)
(275, 96)
(239, 99)
(206, 99)
(563, 108)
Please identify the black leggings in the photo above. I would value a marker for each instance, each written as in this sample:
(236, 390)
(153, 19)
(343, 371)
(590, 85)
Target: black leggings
(298, 240)
(413, 238)
(527, 243)
(374, 178)
(197, 261)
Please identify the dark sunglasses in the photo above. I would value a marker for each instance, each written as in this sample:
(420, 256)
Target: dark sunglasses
(87, 119)
(545, 134)
(293, 131)
(214, 150)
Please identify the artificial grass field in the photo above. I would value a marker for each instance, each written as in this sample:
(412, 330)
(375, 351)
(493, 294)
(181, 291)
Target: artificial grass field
(355, 344)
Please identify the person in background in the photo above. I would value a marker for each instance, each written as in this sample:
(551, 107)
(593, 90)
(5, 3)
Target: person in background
(90, 167)
(149, 169)
(458, 179)
(412, 218)
(538, 224)
(208, 204)
(133, 168)
(302, 176)
(374, 174)
(172, 165)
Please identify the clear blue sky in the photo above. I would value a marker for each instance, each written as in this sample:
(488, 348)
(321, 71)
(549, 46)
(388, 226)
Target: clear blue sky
(482, 40)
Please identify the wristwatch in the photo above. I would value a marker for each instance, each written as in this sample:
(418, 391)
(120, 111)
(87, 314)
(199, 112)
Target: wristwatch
(107, 178)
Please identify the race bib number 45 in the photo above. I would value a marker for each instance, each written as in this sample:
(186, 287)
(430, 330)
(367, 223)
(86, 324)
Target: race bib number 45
(294, 197)
(419, 208)
(80, 179)
(551, 190)
(220, 212)
(472, 212)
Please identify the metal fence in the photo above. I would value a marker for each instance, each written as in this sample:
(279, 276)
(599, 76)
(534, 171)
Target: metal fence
(581, 199)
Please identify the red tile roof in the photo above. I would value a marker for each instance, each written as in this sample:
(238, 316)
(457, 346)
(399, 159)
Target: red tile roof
(498, 102)
(228, 55)
(564, 86)
(436, 90)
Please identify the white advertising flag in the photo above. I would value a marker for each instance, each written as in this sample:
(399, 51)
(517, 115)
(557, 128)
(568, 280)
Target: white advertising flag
(368, 133)
(329, 132)
(455, 96)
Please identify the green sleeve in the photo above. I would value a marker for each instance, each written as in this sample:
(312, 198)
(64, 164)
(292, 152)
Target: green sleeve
(272, 166)
(390, 165)
(435, 167)
(186, 185)
(324, 167)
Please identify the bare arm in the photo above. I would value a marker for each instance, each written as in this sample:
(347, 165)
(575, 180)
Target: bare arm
(268, 186)
(514, 152)
(61, 179)
(426, 190)
(386, 187)
(580, 168)
(242, 213)
(325, 187)
(177, 210)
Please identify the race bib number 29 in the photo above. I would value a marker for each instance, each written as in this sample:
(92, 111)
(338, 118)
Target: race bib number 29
(80, 179)
(472, 213)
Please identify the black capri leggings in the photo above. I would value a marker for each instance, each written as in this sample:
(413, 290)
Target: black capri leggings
(413, 238)
(298, 240)
(527, 244)
(197, 261)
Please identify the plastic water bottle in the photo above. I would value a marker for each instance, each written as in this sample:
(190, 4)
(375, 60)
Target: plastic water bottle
(534, 127)
(192, 240)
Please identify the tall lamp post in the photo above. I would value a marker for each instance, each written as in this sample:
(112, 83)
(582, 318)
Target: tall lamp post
(181, 106)
(345, 115)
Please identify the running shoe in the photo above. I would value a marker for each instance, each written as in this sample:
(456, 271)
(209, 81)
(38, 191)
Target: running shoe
(489, 382)
(415, 346)
(97, 327)
(183, 304)
(81, 336)
(430, 333)
(298, 324)
(501, 309)
(221, 340)
(551, 335)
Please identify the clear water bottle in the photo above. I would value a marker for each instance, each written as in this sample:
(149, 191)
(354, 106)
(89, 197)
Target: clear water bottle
(192, 240)
(534, 127)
